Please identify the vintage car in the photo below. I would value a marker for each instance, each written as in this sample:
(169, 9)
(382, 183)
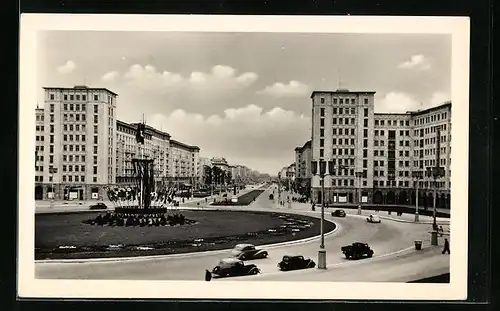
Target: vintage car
(295, 263)
(338, 213)
(99, 205)
(248, 252)
(357, 250)
(234, 267)
(373, 219)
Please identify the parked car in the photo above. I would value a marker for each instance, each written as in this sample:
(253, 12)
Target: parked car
(234, 267)
(373, 219)
(357, 250)
(99, 205)
(248, 252)
(338, 213)
(295, 263)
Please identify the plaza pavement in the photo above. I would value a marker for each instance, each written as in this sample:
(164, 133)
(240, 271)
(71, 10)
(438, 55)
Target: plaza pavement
(83, 206)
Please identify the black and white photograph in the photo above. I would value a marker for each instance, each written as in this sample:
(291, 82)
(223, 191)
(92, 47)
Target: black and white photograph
(243, 157)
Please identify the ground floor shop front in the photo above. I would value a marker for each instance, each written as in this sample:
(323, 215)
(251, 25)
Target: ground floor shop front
(391, 196)
(66, 192)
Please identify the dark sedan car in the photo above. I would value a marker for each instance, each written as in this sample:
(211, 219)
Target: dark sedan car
(234, 267)
(338, 213)
(98, 206)
(295, 263)
(248, 252)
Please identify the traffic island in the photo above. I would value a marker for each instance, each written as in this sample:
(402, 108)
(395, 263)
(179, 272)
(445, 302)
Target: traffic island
(64, 236)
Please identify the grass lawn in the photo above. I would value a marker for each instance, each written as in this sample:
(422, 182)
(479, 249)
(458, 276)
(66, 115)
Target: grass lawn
(217, 229)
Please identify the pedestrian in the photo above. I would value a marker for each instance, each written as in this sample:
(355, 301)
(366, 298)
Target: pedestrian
(208, 276)
(446, 248)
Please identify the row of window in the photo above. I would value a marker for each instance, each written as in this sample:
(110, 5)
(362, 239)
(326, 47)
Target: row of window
(429, 130)
(76, 158)
(77, 127)
(76, 178)
(342, 101)
(432, 118)
(75, 97)
(73, 117)
(77, 137)
(76, 148)
(392, 122)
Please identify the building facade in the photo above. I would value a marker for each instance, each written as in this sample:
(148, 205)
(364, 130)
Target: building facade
(81, 148)
(76, 142)
(375, 155)
(303, 158)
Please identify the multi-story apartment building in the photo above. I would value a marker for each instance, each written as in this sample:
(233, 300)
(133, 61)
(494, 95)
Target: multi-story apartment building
(303, 158)
(220, 163)
(375, 155)
(342, 124)
(174, 162)
(156, 146)
(185, 163)
(76, 141)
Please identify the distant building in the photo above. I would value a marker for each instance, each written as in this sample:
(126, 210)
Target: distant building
(303, 158)
(383, 148)
(220, 163)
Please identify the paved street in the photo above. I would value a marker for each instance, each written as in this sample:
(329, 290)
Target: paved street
(386, 239)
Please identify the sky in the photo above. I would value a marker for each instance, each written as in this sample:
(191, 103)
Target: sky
(244, 96)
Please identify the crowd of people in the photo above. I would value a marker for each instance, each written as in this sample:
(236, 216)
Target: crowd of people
(133, 220)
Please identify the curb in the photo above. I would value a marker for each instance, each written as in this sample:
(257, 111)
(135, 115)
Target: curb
(191, 254)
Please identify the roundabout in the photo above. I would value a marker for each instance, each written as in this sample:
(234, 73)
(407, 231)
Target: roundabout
(392, 242)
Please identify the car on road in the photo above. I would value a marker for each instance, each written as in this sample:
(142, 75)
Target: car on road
(373, 219)
(357, 250)
(99, 205)
(295, 263)
(338, 213)
(234, 267)
(248, 252)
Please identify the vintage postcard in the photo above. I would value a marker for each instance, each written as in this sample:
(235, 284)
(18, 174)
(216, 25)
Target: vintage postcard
(253, 157)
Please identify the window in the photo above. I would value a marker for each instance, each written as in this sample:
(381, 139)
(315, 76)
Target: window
(365, 122)
(365, 143)
(375, 153)
(334, 141)
(71, 97)
(51, 159)
(95, 139)
(96, 97)
(365, 163)
(51, 148)
(95, 149)
(95, 170)
(322, 100)
(365, 133)
(94, 179)
(366, 112)
(365, 153)
(322, 112)
(382, 122)
(96, 119)
(322, 132)
(321, 141)
(335, 121)
(366, 101)
(321, 152)
(352, 132)
(341, 111)
(334, 110)
(51, 118)
(321, 121)
(334, 131)
(335, 101)
(381, 163)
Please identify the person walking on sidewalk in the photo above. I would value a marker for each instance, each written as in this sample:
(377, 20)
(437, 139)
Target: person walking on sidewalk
(208, 276)
(446, 248)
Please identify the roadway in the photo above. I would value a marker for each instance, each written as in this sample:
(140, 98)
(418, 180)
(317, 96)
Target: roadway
(392, 242)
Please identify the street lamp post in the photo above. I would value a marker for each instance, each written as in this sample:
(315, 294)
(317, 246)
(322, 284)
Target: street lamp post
(417, 175)
(358, 176)
(279, 189)
(322, 173)
(52, 171)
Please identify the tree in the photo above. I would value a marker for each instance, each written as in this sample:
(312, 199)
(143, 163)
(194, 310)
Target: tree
(207, 175)
(217, 174)
(229, 177)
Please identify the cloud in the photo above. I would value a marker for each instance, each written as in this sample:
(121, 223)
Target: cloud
(400, 102)
(292, 89)
(110, 76)
(247, 135)
(68, 67)
(418, 62)
(220, 77)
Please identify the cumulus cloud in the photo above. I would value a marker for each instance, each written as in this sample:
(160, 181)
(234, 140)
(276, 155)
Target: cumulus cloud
(110, 76)
(244, 135)
(418, 62)
(293, 88)
(400, 102)
(66, 68)
(220, 77)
